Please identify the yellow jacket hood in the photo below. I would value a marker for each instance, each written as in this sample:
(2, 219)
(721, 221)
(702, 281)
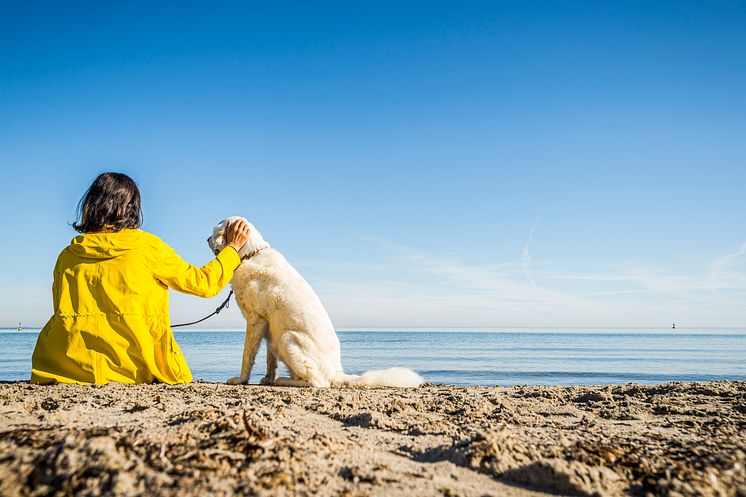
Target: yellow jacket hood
(106, 245)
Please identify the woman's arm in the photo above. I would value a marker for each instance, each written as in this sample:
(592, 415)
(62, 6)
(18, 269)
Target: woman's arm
(208, 280)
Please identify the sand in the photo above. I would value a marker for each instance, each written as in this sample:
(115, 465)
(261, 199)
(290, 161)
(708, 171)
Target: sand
(214, 439)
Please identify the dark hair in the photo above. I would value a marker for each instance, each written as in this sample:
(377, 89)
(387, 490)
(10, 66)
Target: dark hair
(112, 202)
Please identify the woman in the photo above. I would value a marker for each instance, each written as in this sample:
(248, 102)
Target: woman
(110, 295)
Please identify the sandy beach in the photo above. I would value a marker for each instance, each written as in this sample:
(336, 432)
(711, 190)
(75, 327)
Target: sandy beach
(215, 439)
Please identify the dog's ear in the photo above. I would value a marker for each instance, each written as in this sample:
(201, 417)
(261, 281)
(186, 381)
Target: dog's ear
(219, 229)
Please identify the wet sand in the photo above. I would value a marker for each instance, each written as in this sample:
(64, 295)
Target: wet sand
(214, 439)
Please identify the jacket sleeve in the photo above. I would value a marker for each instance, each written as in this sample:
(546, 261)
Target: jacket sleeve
(205, 281)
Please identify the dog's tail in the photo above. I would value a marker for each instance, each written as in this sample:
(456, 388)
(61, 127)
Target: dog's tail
(392, 377)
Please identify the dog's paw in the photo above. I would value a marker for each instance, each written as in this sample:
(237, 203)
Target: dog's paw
(267, 381)
(237, 381)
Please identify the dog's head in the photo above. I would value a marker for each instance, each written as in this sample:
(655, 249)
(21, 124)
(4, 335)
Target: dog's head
(217, 241)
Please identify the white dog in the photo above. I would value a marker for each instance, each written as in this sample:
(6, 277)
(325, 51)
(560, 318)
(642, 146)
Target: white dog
(281, 306)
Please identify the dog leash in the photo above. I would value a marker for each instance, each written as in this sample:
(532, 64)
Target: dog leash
(217, 311)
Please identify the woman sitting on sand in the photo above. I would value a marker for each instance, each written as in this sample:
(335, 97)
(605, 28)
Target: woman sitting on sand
(110, 294)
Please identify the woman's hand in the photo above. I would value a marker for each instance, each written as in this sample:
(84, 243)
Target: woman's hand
(236, 233)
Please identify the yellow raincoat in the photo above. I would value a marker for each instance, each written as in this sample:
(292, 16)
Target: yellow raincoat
(111, 320)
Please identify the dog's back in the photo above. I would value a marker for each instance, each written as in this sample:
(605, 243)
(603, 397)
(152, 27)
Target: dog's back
(268, 285)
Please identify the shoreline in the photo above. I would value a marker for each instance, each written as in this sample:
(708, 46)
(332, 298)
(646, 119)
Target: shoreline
(216, 439)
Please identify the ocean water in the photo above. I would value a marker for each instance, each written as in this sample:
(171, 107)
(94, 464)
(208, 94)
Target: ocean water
(475, 358)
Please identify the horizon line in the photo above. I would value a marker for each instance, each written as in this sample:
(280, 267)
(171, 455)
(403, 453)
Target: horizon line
(446, 329)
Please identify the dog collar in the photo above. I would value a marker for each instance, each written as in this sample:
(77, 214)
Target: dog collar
(249, 256)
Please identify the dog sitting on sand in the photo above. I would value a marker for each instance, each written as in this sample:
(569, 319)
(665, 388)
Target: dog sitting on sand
(280, 306)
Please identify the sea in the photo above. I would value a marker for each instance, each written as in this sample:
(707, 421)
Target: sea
(475, 357)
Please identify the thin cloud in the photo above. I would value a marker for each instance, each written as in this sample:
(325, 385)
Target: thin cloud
(500, 281)
(526, 255)
(433, 285)
(719, 273)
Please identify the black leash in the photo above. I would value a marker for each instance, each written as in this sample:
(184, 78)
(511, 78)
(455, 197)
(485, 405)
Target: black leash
(217, 311)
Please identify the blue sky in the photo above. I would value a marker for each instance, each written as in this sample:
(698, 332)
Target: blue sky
(457, 164)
